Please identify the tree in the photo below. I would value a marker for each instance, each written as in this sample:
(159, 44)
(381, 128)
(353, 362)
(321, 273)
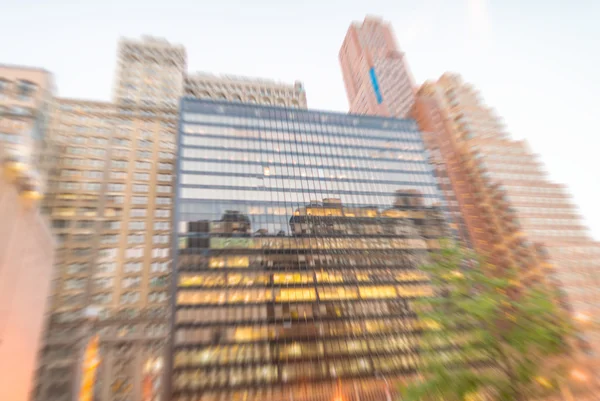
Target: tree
(489, 336)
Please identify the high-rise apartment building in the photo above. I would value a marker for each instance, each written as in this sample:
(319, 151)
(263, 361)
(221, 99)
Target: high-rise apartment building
(110, 204)
(298, 237)
(476, 148)
(375, 71)
(246, 90)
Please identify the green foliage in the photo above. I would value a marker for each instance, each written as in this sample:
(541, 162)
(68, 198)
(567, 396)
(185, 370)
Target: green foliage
(505, 333)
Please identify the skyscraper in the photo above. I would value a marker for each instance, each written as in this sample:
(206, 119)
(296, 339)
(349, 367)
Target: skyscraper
(375, 71)
(298, 237)
(476, 147)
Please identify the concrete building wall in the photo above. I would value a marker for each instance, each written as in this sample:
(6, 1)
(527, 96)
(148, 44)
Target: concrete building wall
(26, 256)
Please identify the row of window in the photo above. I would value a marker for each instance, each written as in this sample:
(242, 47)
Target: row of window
(110, 267)
(355, 309)
(289, 151)
(252, 279)
(399, 133)
(315, 261)
(337, 293)
(329, 170)
(112, 187)
(96, 174)
(309, 183)
(95, 163)
(304, 196)
(272, 139)
(314, 243)
(131, 297)
(310, 329)
(108, 212)
(261, 353)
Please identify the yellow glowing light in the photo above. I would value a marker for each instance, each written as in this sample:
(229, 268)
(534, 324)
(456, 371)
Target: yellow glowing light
(578, 375)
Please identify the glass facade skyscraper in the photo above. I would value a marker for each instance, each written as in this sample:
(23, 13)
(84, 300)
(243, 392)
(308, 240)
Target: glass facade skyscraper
(298, 236)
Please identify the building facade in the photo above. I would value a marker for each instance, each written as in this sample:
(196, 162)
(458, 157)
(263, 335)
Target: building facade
(476, 147)
(376, 74)
(298, 237)
(245, 90)
(110, 203)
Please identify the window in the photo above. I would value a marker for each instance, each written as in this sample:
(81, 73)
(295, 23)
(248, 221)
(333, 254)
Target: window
(91, 186)
(76, 268)
(116, 187)
(115, 198)
(158, 267)
(142, 165)
(106, 267)
(122, 142)
(139, 200)
(112, 225)
(161, 200)
(164, 188)
(164, 177)
(164, 166)
(74, 284)
(131, 282)
(118, 175)
(145, 144)
(109, 239)
(160, 252)
(134, 253)
(160, 239)
(161, 225)
(138, 212)
(135, 238)
(168, 156)
(140, 188)
(141, 176)
(103, 282)
(144, 154)
(97, 152)
(130, 297)
(118, 164)
(99, 141)
(92, 174)
(162, 213)
(102, 298)
(167, 145)
(137, 225)
(133, 267)
(157, 296)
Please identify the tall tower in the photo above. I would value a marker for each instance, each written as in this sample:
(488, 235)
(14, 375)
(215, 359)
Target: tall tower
(150, 72)
(490, 172)
(375, 71)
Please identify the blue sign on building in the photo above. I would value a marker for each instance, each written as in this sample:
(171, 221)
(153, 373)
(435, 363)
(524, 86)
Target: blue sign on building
(375, 85)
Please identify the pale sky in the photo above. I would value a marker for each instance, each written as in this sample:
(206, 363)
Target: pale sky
(536, 62)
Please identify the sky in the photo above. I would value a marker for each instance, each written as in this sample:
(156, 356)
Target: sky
(536, 62)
